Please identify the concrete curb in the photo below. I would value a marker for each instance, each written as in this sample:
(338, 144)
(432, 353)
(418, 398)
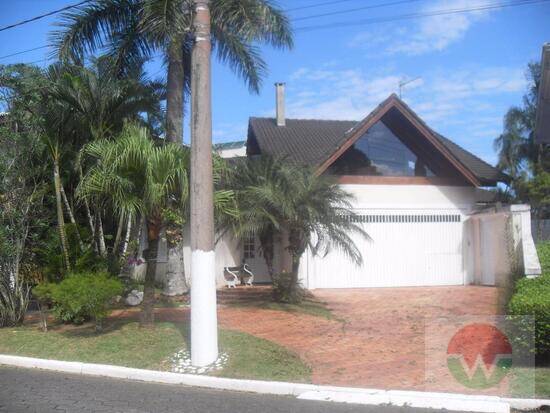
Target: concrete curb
(449, 401)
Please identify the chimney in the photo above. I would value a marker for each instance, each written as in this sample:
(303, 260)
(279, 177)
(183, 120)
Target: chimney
(280, 92)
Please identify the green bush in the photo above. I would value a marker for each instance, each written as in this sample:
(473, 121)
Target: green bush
(532, 297)
(543, 251)
(81, 296)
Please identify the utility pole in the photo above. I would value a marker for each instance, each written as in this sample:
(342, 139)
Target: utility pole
(204, 322)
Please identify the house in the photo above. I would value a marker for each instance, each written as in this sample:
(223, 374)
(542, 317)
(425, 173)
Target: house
(422, 199)
(234, 149)
(542, 125)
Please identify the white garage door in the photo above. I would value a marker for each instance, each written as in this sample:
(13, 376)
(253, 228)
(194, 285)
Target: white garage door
(408, 248)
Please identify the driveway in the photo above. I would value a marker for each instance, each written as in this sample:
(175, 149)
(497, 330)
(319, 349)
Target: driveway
(377, 338)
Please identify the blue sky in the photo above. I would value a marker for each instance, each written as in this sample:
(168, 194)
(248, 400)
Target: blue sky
(471, 65)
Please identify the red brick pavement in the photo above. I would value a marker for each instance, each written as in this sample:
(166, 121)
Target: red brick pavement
(376, 339)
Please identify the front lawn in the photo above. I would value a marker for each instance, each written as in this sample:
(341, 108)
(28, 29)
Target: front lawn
(522, 382)
(125, 344)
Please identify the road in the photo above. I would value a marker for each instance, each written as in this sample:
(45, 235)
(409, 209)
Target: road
(26, 390)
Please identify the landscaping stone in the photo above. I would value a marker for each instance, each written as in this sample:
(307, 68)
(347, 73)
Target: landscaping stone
(134, 298)
(181, 363)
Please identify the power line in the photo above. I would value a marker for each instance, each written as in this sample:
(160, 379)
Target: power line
(374, 6)
(41, 16)
(311, 6)
(23, 51)
(375, 20)
(417, 15)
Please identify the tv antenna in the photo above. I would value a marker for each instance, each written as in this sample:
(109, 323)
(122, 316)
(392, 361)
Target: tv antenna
(405, 82)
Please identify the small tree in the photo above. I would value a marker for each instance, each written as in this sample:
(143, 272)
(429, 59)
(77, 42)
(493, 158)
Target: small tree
(276, 197)
(139, 177)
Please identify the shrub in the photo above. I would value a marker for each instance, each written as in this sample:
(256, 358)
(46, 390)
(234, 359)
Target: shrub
(85, 296)
(543, 251)
(532, 297)
(284, 291)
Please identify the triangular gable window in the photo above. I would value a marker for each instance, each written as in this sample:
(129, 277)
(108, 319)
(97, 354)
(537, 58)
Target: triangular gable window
(379, 152)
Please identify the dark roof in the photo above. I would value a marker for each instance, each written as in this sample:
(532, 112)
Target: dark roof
(303, 141)
(542, 128)
(311, 142)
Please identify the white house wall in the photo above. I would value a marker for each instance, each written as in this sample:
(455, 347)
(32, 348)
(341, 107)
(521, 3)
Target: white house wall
(425, 246)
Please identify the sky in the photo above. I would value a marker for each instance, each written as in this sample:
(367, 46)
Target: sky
(469, 67)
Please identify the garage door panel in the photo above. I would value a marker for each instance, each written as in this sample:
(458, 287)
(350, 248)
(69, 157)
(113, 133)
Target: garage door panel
(408, 248)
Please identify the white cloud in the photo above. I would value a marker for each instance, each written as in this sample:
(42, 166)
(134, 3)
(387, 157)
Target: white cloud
(352, 93)
(427, 34)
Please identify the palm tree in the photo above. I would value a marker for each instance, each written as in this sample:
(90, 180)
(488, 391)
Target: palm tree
(100, 103)
(133, 30)
(139, 177)
(311, 211)
(518, 154)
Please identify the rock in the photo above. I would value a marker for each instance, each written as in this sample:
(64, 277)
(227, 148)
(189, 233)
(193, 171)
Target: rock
(134, 298)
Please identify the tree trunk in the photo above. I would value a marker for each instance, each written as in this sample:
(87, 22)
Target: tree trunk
(60, 218)
(127, 235)
(101, 236)
(204, 323)
(88, 214)
(266, 241)
(153, 235)
(71, 218)
(118, 233)
(175, 91)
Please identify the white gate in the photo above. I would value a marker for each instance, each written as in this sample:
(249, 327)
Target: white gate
(408, 248)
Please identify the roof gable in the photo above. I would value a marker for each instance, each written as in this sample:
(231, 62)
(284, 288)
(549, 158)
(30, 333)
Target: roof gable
(320, 143)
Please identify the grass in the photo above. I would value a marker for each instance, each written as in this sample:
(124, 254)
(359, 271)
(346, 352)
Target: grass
(125, 344)
(522, 382)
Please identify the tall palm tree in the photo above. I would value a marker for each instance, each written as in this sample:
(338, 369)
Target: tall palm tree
(313, 211)
(140, 178)
(133, 30)
(100, 103)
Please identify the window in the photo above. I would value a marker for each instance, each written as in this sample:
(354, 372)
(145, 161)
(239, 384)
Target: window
(379, 152)
(249, 247)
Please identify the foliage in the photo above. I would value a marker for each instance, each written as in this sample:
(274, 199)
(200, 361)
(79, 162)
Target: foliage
(274, 196)
(518, 153)
(543, 251)
(81, 296)
(532, 297)
(132, 30)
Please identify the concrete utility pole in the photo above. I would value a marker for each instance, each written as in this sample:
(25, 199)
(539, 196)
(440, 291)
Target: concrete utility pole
(204, 322)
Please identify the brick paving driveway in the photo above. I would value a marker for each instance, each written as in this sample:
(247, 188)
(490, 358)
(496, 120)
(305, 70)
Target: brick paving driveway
(378, 340)
(377, 336)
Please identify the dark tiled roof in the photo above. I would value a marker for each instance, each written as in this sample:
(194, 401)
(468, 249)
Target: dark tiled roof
(486, 173)
(304, 141)
(310, 142)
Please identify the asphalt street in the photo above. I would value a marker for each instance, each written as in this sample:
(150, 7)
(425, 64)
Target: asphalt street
(27, 390)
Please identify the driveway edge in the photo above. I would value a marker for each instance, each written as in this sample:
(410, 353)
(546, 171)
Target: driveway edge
(449, 401)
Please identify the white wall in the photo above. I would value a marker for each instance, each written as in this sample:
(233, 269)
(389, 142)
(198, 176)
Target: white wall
(415, 196)
(232, 153)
